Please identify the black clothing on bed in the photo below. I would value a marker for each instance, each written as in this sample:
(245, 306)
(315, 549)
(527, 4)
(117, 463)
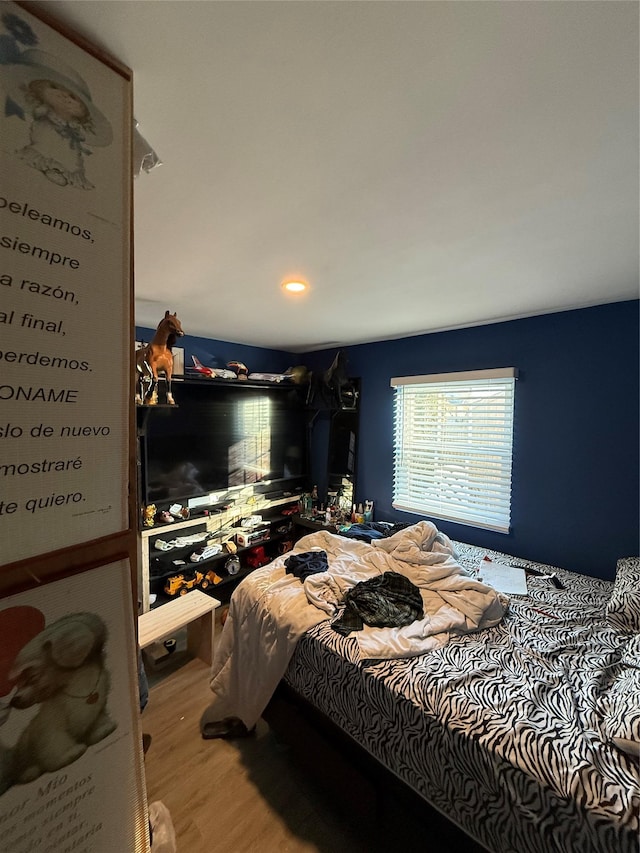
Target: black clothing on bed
(367, 530)
(389, 600)
(309, 563)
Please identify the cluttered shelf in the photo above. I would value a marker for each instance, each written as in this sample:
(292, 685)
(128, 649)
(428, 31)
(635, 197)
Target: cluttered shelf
(213, 552)
(212, 568)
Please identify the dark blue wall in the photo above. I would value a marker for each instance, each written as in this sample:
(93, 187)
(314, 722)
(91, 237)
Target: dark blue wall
(575, 499)
(213, 353)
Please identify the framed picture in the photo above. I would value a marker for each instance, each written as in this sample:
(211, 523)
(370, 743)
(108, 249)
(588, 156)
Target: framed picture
(66, 182)
(71, 768)
(71, 771)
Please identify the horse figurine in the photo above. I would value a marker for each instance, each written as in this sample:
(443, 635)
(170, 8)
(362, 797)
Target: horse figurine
(155, 358)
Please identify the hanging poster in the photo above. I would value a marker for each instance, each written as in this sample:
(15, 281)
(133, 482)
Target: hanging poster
(71, 772)
(65, 131)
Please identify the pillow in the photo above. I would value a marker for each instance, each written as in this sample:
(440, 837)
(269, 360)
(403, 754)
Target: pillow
(623, 609)
(621, 703)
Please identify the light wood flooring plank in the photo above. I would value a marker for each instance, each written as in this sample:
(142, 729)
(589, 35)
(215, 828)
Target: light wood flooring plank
(242, 796)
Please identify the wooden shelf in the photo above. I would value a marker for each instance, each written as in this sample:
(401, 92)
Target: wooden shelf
(195, 610)
(213, 524)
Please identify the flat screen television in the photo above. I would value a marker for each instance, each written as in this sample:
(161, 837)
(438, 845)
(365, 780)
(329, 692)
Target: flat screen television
(221, 436)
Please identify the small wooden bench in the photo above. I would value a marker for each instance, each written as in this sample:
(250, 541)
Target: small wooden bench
(196, 610)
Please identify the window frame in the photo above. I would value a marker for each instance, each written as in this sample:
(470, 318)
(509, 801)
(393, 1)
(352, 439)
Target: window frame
(460, 455)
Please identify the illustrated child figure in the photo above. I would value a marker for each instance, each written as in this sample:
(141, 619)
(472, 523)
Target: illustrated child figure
(58, 135)
(65, 123)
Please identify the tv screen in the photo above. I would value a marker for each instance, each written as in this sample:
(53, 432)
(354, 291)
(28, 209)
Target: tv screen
(220, 436)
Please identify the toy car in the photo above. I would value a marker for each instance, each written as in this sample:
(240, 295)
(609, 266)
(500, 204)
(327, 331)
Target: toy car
(205, 552)
(182, 583)
(292, 510)
(211, 577)
(257, 557)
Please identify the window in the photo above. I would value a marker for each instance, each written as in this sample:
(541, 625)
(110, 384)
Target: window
(453, 441)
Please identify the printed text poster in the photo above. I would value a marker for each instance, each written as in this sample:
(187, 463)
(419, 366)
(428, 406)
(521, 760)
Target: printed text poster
(64, 291)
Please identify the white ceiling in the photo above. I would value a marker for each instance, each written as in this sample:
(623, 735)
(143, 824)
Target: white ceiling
(425, 165)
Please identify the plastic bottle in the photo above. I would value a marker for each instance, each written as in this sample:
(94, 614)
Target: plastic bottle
(353, 514)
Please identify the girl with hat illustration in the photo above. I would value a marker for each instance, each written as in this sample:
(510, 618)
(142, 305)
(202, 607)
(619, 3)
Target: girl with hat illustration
(65, 123)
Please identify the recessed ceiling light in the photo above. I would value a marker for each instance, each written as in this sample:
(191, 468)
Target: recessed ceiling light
(294, 285)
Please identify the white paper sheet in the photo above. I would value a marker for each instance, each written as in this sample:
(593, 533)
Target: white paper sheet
(503, 578)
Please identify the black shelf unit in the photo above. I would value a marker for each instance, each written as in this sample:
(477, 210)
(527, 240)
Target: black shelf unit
(162, 567)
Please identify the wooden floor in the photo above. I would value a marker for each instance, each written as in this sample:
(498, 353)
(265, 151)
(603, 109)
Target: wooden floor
(234, 796)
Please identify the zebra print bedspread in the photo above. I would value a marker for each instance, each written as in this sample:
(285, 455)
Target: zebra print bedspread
(502, 730)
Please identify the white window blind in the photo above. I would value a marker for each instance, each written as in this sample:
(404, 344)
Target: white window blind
(453, 442)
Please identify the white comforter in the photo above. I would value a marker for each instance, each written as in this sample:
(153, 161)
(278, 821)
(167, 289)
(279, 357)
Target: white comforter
(270, 610)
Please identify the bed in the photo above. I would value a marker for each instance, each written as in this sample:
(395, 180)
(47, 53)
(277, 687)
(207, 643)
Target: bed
(517, 721)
